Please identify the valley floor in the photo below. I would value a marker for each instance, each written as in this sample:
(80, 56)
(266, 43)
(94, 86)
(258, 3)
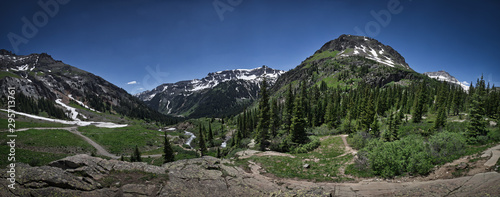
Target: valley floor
(254, 173)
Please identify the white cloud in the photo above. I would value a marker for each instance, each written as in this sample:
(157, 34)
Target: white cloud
(465, 83)
(132, 83)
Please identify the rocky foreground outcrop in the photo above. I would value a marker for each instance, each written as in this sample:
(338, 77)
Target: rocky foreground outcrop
(83, 175)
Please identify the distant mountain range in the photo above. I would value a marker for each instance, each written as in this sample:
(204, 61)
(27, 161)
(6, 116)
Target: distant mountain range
(221, 93)
(343, 62)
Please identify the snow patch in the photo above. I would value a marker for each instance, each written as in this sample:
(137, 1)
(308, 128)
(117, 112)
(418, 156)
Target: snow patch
(79, 123)
(72, 111)
(374, 53)
(82, 104)
(23, 67)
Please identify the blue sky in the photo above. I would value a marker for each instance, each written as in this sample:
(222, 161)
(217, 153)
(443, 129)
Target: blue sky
(153, 42)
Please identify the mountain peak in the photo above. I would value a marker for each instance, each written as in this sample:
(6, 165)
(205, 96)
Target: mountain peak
(445, 76)
(351, 45)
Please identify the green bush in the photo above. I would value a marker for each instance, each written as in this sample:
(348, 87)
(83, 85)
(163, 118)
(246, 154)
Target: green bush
(409, 154)
(413, 128)
(494, 135)
(323, 130)
(280, 144)
(446, 146)
(304, 148)
(456, 127)
(359, 140)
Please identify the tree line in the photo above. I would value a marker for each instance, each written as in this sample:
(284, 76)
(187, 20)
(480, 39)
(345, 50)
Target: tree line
(379, 111)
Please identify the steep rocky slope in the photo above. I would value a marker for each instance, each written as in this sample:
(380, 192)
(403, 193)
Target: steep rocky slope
(235, 89)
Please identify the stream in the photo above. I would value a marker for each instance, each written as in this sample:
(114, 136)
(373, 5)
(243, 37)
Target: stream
(224, 144)
(191, 138)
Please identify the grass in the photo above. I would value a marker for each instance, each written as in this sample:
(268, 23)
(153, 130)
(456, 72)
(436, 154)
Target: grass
(324, 162)
(52, 139)
(22, 124)
(8, 74)
(323, 55)
(157, 161)
(30, 157)
(353, 170)
(497, 166)
(123, 140)
(78, 106)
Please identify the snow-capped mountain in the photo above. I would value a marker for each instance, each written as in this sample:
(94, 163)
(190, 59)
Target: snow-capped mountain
(40, 76)
(237, 88)
(350, 45)
(445, 76)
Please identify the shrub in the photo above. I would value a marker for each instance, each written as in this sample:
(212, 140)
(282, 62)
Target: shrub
(494, 135)
(406, 155)
(322, 130)
(304, 148)
(456, 127)
(359, 140)
(482, 139)
(413, 128)
(279, 144)
(444, 145)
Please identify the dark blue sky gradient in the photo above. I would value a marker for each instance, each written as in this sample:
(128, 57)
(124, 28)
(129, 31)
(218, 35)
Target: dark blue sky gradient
(118, 40)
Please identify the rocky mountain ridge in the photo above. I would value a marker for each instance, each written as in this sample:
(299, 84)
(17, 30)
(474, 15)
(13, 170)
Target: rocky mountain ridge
(40, 76)
(445, 76)
(350, 45)
(196, 98)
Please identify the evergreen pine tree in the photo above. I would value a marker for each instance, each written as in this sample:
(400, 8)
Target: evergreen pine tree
(136, 156)
(264, 115)
(201, 142)
(441, 118)
(297, 128)
(289, 106)
(477, 123)
(375, 128)
(418, 106)
(168, 152)
(274, 118)
(330, 114)
(210, 137)
(368, 112)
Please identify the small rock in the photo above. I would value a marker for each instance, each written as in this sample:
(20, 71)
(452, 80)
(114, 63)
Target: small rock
(462, 166)
(306, 166)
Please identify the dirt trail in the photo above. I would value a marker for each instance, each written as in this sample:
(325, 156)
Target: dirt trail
(483, 183)
(348, 149)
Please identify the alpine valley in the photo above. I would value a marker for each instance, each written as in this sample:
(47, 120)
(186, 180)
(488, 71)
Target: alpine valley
(353, 119)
